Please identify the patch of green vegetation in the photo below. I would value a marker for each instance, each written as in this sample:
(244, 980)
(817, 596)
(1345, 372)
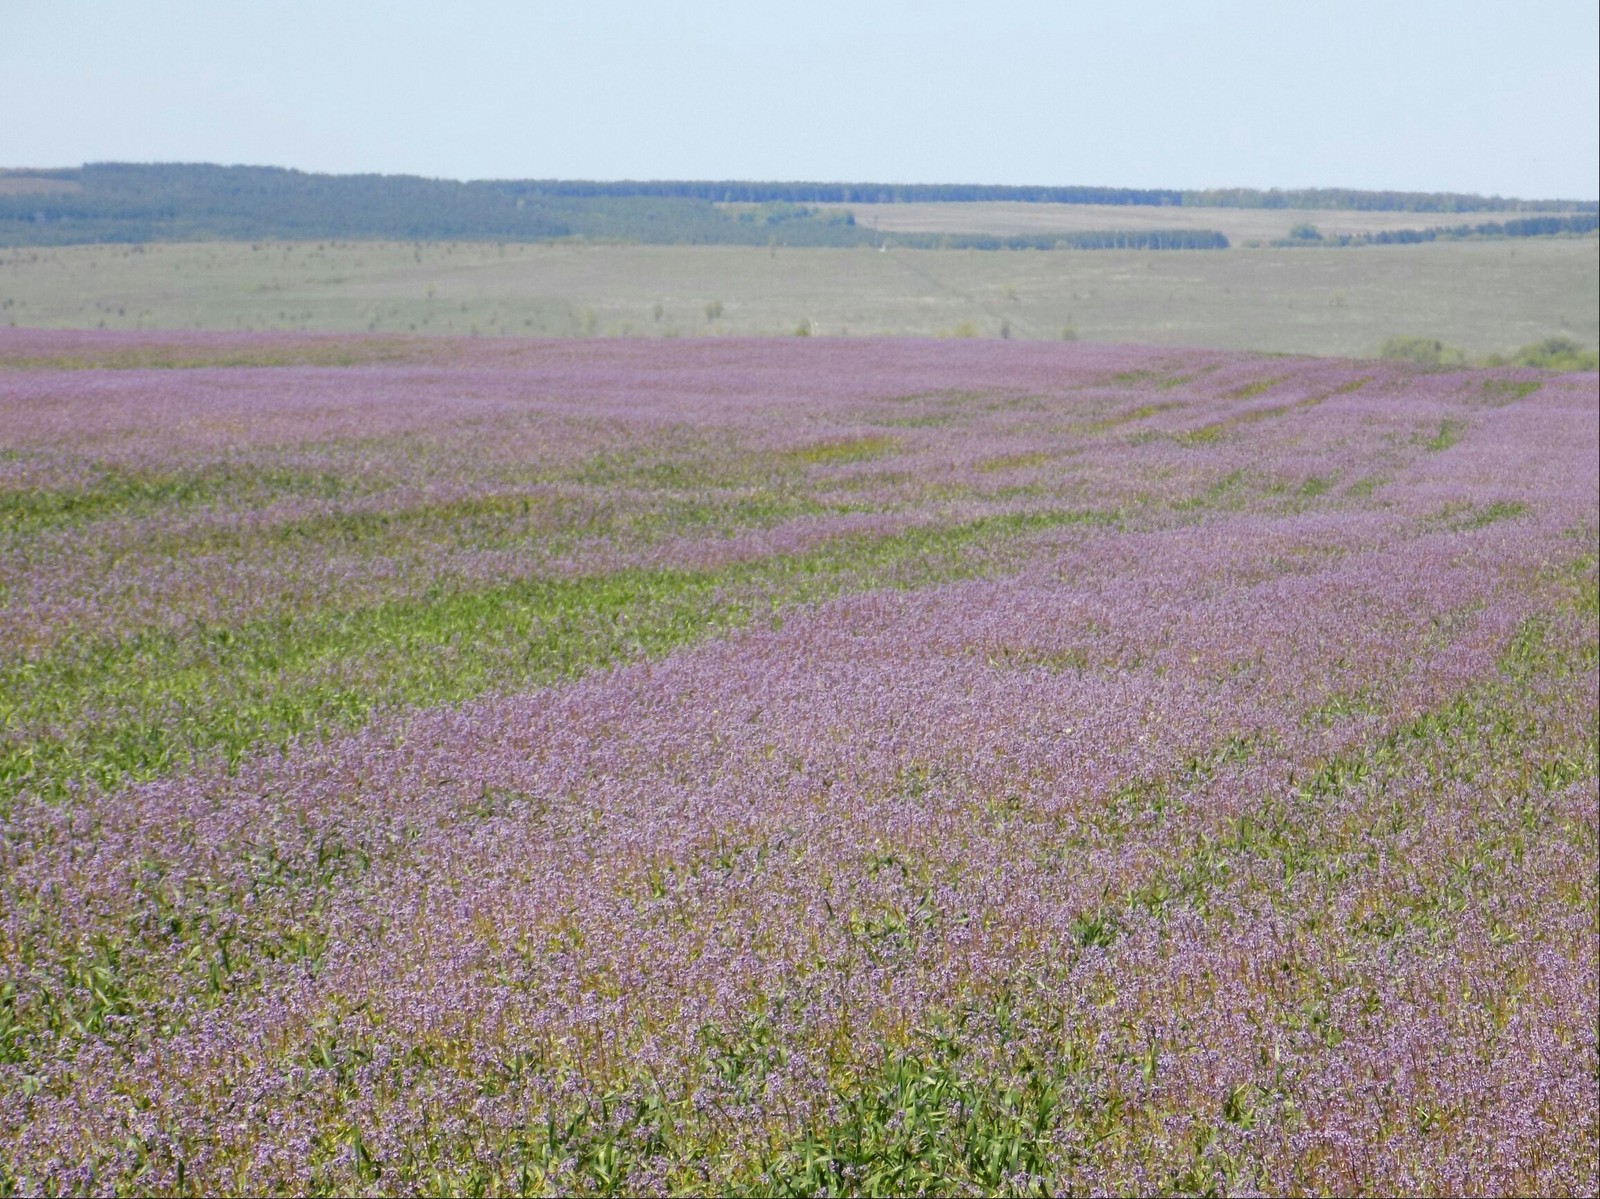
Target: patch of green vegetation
(1422, 351)
(1173, 382)
(124, 493)
(689, 497)
(1133, 378)
(1584, 578)
(1214, 492)
(835, 453)
(1347, 388)
(1527, 651)
(1143, 412)
(1013, 462)
(1551, 354)
(1491, 513)
(1205, 435)
(1251, 390)
(1116, 420)
(1557, 354)
(1500, 392)
(1208, 434)
(926, 1122)
(1140, 413)
(115, 711)
(935, 1115)
(610, 468)
(1449, 434)
(1362, 488)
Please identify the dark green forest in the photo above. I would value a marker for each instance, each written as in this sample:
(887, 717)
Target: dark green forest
(122, 202)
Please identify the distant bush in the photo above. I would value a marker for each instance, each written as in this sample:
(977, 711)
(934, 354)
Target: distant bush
(1305, 231)
(1557, 354)
(1551, 354)
(1424, 351)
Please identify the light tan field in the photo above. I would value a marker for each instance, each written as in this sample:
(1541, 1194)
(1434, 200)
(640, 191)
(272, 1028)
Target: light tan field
(1483, 297)
(1007, 218)
(15, 183)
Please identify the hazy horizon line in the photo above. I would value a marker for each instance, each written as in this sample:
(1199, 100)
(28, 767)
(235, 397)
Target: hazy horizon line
(796, 180)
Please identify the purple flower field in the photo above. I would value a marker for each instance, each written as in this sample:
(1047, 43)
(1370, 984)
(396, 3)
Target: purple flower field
(793, 767)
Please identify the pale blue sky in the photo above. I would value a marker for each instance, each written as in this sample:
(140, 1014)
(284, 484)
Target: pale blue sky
(1457, 95)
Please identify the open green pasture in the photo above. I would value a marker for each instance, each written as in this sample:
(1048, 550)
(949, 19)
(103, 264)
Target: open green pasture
(1481, 297)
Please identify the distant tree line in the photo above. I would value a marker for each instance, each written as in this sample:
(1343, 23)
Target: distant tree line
(126, 203)
(123, 202)
(734, 192)
(114, 202)
(738, 192)
(1537, 226)
(1347, 199)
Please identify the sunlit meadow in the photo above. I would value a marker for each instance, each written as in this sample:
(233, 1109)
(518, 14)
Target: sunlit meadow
(803, 766)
